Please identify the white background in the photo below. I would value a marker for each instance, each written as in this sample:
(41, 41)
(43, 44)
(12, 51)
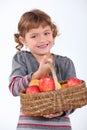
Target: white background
(71, 19)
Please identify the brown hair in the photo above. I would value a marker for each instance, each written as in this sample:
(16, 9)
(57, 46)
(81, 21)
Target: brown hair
(33, 19)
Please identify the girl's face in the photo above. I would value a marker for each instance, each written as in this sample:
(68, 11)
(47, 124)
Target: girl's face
(39, 40)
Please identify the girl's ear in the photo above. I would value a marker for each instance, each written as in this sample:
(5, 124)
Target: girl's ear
(22, 40)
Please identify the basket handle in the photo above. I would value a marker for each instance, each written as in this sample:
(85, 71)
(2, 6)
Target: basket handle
(57, 84)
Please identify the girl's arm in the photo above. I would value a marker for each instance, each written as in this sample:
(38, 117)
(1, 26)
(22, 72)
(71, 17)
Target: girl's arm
(21, 74)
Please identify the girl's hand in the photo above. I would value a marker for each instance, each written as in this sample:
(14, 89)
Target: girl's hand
(53, 115)
(43, 69)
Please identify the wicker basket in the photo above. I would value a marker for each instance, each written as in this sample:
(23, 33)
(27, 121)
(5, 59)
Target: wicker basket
(60, 100)
(45, 103)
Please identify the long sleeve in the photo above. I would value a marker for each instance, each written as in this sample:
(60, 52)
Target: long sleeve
(20, 76)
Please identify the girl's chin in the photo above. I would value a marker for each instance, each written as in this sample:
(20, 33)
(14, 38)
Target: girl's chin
(43, 53)
(40, 52)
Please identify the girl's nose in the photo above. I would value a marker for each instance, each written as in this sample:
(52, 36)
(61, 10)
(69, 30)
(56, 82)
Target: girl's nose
(42, 38)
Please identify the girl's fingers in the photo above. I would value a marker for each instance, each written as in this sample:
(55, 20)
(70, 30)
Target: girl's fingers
(53, 115)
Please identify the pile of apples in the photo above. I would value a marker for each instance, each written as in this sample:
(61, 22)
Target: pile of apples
(46, 83)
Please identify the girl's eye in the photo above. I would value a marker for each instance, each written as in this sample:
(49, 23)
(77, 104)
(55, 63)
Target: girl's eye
(34, 36)
(46, 33)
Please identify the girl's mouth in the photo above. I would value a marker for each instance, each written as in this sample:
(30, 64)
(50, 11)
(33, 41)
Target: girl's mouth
(43, 46)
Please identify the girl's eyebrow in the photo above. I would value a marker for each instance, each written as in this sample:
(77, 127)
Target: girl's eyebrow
(47, 30)
(31, 33)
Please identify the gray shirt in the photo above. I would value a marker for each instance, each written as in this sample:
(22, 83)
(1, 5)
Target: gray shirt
(23, 65)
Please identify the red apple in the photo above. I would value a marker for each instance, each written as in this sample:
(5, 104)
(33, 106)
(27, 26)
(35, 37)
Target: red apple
(32, 89)
(73, 81)
(46, 84)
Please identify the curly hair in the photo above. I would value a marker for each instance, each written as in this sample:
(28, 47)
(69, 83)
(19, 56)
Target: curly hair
(33, 19)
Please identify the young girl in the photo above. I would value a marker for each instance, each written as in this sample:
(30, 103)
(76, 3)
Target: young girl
(37, 31)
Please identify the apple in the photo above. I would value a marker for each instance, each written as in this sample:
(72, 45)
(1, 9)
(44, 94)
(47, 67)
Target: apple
(46, 84)
(32, 89)
(73, 81)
